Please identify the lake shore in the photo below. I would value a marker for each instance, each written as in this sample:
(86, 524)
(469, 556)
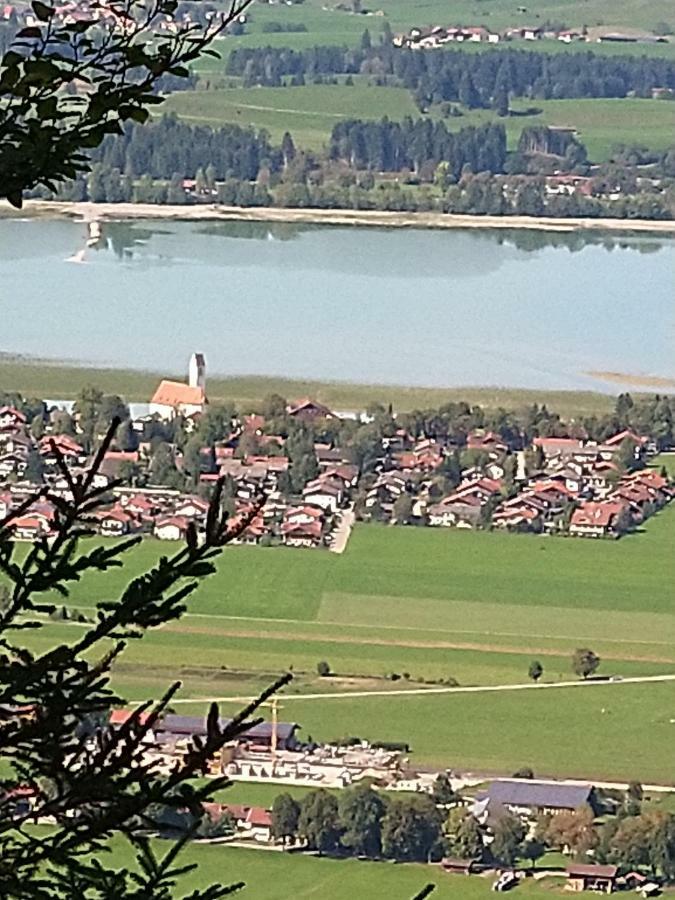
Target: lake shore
(124, 211)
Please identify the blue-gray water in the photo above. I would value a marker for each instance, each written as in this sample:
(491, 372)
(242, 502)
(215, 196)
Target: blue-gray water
(410, 307)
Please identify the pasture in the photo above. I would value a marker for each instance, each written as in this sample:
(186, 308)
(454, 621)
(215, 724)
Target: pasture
(275, 875)
(43, 378)
(325, 24)
(435, 605)
(309, 112)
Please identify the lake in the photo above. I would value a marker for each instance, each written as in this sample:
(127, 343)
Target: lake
(442, 308)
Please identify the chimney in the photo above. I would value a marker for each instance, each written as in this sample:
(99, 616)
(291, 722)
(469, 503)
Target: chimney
(197, 371)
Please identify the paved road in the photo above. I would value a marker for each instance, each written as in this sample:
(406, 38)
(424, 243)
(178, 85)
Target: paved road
(473, 689)
(343, 531)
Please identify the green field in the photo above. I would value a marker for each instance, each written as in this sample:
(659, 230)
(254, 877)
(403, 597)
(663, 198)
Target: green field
(327, 25)
(310, 112)
(282, 876)
(475, 607)
(38, 378)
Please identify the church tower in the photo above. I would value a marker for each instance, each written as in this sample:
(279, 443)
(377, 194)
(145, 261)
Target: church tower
(197, 371)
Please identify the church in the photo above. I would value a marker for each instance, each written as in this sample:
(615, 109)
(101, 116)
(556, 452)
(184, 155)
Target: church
(173, 398)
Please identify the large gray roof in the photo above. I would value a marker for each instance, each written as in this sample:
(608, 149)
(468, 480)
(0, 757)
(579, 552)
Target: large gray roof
(538, 794)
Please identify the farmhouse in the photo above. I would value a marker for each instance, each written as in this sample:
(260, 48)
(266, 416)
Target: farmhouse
(601, 879)
(172, 528)
(261, 735)
(529, 797)
(174, 398)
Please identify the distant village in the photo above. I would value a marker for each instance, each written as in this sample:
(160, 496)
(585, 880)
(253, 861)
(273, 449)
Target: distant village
(425, 38)
(300, 474)
(462, 824)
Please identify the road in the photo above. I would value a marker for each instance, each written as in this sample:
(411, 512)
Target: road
(343, 531)
(472, 689)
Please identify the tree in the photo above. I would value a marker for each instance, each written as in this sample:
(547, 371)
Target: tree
(535, 670)
(443, 793)
(573, 830)
(411, 829)
(360, 811)
(48, 123)
(533, 850)
(463, 835)
(584, 662)
(285, 818)
(323, 669)
(318, 823)
(93, 789)
(403, 509)
(34, 467)
(508, 836)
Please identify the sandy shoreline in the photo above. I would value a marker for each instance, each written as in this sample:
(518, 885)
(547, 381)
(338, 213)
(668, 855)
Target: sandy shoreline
(117, 211)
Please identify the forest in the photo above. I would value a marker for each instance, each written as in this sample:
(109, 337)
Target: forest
(474, 79)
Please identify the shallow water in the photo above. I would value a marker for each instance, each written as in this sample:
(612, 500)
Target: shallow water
(527, 309)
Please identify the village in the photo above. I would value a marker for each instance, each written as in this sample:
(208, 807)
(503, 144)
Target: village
(303, 474)
(433, 36)
(474, 826)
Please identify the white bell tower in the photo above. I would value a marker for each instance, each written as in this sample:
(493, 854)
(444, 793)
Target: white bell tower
(197, 371)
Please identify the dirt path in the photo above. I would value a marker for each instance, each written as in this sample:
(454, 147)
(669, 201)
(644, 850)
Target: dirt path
(474, 689)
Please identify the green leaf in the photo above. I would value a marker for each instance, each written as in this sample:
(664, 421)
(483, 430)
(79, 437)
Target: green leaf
(42, 11)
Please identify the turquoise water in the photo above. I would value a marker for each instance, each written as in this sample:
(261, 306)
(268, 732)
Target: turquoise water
(358, 304)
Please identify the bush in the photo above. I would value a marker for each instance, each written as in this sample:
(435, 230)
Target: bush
(323, 669)
(391, 745)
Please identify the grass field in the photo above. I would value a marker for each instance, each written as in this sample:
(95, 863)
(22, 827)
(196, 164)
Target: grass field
(310, 112)
(327, 25)
(38, 378)
(476, 607)
(281, 876)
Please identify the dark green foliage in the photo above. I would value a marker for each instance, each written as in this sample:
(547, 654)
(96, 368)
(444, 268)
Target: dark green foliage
(509, 834)
(361, 810)
(411, 829)
(48, 123)
(584, 662)
(475, 79)
(285, 818)
(319, 823)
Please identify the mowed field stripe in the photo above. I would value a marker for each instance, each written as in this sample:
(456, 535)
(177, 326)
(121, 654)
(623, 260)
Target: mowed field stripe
(333, 638)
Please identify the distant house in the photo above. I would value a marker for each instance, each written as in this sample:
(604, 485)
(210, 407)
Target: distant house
(115, 522)
(11, 418)
(601, 879)
(171, 528)
(324, 492)
(459, 514)
(174, 398)
(302, 535)
(307, 410)
(597, 519)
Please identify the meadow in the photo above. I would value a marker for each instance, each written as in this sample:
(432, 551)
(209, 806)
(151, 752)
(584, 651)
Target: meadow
(431, 606)
(325, 24)
(276, 875)
(50, 378)
(309, 112)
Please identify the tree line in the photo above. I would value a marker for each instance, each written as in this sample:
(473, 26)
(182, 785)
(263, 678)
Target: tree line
(474, 79)
(387, 146)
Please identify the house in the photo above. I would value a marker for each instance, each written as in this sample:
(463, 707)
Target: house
(601, 879)
(191, 508)
(11, 418)
(528, 797)
(307, 410)
(302, 535)
(115, 522)
(597, 519)
(568, 36)
(174, 398)
(261, 735)
(563, 447)
(30, 527)
(115, 459)
(250, 821)
(327, 493)
(462, 513)
(171, 528)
